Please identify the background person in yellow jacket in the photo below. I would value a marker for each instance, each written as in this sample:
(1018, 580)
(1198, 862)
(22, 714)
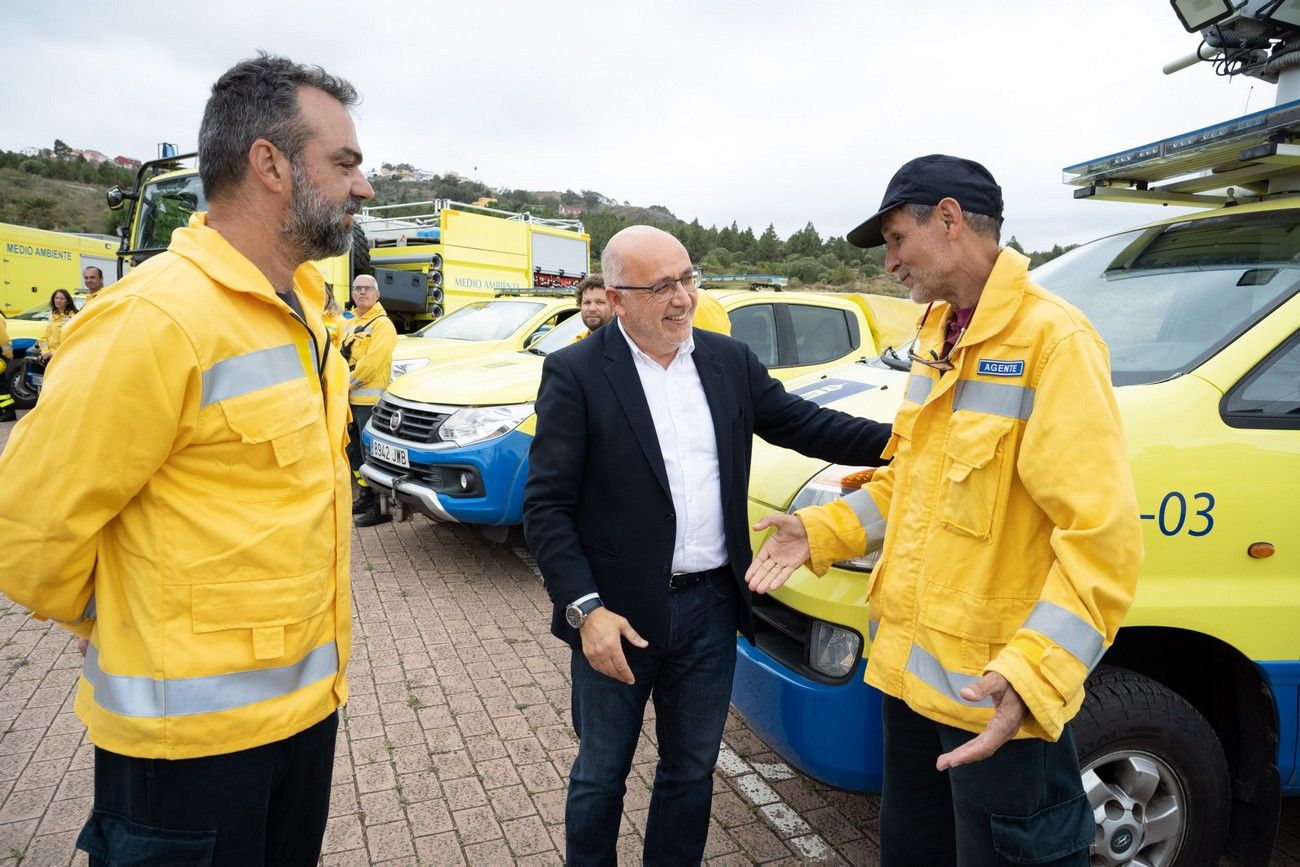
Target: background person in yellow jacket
(200, 538)
(61, 312)
(1011, 538)
(368, 345)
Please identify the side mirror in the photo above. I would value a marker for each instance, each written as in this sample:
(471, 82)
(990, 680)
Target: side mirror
(116, 198)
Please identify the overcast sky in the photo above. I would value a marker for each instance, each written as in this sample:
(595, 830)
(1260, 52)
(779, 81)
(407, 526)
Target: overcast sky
(760, 111)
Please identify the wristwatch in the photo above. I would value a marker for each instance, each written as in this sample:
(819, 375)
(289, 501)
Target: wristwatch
(576, 612)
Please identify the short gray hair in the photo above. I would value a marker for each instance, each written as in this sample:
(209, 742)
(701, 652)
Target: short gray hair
(258, 98)
(980, 224)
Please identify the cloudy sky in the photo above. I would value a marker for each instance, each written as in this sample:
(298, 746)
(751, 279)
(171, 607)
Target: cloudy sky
(761, 111)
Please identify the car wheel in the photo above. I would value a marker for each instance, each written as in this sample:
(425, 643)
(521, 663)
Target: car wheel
(1154, 772)
(23, 394)
(360, 251)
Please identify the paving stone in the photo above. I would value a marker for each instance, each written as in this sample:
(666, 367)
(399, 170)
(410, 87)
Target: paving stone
(511, 802)
(343, 833)
(390, 841)
(490, 854)
(465, 792)
(429, 817)
(439, 849)
(527, 836)
(476, 824)
(759, 842)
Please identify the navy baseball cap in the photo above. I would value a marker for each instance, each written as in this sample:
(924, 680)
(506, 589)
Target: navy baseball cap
(929, 180)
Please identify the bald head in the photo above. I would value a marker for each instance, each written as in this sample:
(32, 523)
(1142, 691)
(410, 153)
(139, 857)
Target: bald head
(633, 244)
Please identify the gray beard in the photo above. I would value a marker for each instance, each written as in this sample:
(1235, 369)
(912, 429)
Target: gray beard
(315, 226)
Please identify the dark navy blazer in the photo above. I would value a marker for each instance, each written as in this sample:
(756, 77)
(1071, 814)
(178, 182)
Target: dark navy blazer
(598, 514)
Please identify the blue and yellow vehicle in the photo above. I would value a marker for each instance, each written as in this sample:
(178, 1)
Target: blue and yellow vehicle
(1190, 730)
(451, 439)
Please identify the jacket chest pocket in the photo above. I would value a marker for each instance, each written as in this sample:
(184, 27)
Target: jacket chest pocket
(282, 449)
(978, 458)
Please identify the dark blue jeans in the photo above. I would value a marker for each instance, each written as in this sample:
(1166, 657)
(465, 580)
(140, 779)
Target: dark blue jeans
(690, 682)
(1022, 805)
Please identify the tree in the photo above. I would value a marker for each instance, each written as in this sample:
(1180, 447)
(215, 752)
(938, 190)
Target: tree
(769, 246)
(61, 149)
(805, 269)
(1015, 245)
(805, 242)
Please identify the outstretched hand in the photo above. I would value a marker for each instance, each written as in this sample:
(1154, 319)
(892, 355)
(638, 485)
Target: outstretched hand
(783, 552)
(1008, 713)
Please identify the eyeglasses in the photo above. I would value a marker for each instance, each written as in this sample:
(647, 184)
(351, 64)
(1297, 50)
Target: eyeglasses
(934, 362)
(667, 287)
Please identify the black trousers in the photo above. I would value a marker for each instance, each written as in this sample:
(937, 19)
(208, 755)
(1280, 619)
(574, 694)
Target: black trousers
(360, 418)
(1023, 805)
(262, 806)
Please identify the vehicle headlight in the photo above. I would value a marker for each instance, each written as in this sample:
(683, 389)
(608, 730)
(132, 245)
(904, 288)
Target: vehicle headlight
(477, 423)
(833, 650)
(831, 484)
(406, 365)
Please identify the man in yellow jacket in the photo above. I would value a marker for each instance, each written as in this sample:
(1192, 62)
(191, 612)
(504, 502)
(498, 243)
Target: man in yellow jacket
(198, 536)
(1010, 531)
(368, 346)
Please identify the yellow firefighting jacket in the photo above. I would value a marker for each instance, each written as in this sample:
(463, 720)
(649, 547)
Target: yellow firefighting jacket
(334, 324)
(370, 341)
(1008, 515)
(199, 534)
(53, 335)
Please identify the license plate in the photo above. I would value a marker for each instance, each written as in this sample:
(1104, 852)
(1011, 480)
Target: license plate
(389, 454)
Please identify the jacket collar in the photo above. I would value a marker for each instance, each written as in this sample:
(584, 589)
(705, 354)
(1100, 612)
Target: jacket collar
(999, 300)
(372, 314)
(214, 255)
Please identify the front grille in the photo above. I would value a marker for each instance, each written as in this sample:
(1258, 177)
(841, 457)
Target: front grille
(783, 634)
(417, 425)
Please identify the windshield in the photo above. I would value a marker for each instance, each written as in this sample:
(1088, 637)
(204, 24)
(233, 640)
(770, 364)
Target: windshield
(165, 206)
(41, 312)
(1167, 298)
(483, 320)
(560, 336)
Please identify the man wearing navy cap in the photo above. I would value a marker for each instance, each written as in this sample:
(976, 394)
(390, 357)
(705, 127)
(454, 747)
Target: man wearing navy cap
(1010, 533)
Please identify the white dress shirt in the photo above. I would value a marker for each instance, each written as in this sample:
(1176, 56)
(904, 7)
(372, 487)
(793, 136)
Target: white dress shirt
(689, 445)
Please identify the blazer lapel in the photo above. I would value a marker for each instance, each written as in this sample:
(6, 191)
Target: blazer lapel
(620, 369)
(716, 392)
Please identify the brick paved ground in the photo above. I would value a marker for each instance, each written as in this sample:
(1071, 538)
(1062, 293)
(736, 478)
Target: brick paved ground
(455, 745)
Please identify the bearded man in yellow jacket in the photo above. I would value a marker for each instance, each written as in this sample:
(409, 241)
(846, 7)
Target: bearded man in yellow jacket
(198, 536)
(1010, 532)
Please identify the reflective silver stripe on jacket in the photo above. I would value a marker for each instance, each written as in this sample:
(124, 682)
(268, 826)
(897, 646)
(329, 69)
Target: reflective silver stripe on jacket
(365, 392)
(918, 388)
(251, 372)
(130, 695)
(872, 627)
(994, 398)
(949, 683)
(868, 515)
(1069, 630)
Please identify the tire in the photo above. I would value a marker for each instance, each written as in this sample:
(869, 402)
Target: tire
(24, 396)
(1154, 772)
(360, 251)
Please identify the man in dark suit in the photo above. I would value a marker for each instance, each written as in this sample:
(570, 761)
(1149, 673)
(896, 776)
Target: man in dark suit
(635, 511)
